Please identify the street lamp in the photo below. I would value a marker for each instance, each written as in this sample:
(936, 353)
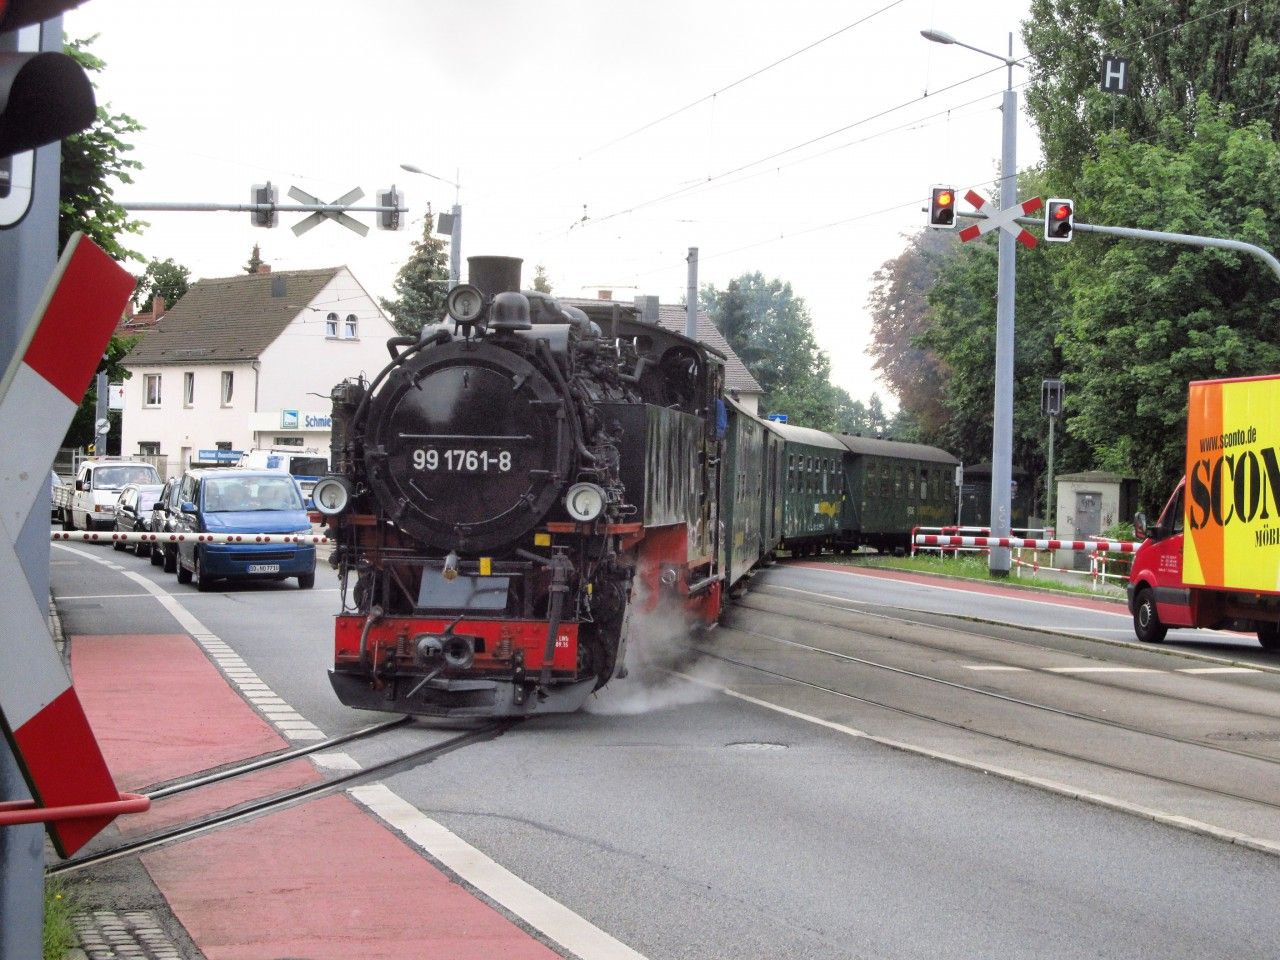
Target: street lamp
(1002, 418)
(455, 231)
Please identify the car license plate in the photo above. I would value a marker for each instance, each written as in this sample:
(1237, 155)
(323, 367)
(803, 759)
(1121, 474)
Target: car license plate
(264, 568)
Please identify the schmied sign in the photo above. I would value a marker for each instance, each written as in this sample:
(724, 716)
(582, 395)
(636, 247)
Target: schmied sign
(1005, 219)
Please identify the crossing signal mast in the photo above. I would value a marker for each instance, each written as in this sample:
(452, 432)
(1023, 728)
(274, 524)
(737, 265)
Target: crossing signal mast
(942, 208)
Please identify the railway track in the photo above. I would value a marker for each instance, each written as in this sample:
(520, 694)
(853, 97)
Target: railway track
(1250, 766)
(487, 731)
(976, 629)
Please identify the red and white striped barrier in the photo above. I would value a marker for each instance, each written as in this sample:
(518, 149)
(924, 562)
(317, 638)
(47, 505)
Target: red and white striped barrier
(1084, 546)
(54, 361)
(112, 536)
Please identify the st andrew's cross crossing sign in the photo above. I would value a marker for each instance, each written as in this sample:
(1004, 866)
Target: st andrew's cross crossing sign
(350, 222)
(1006, 219)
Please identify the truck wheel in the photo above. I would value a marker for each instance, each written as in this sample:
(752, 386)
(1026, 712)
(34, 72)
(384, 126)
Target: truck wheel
(1146, 624)
(68, 521)
(1269, 636)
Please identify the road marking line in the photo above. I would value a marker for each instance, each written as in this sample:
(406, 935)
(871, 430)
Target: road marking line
(101, 596)
(335, 761)
(1102, 670)
(547, 916)
(314, 734)
(994, 668)
(1007, 773)
(1217, 670)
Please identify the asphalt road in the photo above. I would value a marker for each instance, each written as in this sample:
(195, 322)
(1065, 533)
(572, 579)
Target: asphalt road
(689, 823)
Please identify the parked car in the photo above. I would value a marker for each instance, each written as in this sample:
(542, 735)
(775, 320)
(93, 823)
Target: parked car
(55, 482)
(308, 465)
(162, 521)
(88, 502)
(242, 501)
(133, 514)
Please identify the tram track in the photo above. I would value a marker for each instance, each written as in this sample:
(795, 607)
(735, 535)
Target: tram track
(1039, 748)
(481, 734)
(960, 623)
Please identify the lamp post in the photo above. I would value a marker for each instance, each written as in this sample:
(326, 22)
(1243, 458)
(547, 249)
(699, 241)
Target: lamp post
(1002, 418)
(455, 232)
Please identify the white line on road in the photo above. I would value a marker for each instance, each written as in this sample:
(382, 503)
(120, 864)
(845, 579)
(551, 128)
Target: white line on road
(548, 916)
(985, 667)
(1102, 670)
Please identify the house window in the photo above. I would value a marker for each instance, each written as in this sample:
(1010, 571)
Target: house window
(152, 384)
(148, 448)
(331, 325)
(292, 441)
(188, 388)
(349, 327)
(228, 384)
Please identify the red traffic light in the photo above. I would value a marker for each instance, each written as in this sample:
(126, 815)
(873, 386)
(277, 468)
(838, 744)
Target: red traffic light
(1059, 220)
(942, 208)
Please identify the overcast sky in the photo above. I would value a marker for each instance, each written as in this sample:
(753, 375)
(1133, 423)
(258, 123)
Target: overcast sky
(811, 171)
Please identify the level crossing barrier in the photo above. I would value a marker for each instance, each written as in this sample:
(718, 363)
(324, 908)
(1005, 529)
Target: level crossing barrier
(113, 536)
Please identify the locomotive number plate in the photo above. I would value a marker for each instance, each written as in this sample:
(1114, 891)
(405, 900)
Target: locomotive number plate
(462, 460)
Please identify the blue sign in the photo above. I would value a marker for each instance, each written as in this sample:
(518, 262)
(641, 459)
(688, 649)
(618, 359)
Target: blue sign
(317, 422)
(219, 456)
(778, 417)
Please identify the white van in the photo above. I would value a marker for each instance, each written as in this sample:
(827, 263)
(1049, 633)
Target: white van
(307, 465)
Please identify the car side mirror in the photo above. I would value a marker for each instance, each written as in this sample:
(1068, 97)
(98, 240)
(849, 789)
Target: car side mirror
(188, 507)
(79, 484)
(1140, 526)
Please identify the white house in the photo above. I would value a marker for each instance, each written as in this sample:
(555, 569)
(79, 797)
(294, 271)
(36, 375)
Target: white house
(248, 361)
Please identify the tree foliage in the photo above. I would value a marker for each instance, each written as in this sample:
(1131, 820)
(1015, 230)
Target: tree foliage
(771, 331)
(255, 261)
(1183, 54)
(421, 285)
(540, 281)
(900, 315)
(93, 161)
(162, 278)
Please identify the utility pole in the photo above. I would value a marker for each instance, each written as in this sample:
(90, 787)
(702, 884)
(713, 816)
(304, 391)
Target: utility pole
(691, 297)
(1001, 519)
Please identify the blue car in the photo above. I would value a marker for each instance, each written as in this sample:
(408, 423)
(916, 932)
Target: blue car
(249, 502)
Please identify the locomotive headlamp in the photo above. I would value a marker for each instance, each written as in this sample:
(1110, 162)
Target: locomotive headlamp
(331, 495)
(584, 501)
(464, 304)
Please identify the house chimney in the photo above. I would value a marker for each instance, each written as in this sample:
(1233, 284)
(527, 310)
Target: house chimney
(157, 307)
(263, 268)
(604, 295)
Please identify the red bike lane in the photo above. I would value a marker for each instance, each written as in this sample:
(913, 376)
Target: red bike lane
(321, 879)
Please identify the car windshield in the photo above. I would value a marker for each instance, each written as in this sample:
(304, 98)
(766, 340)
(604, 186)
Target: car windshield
(113, 478)
(147, 499)
(309, 466)
(236, 494)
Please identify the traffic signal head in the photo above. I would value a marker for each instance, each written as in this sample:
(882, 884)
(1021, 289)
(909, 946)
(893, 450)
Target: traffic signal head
(1059, 220)
(942, 208)
(264, 194)
(44, 96)
(389, 219)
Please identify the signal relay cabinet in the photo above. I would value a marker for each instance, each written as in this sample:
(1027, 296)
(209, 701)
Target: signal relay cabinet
(1213, 558)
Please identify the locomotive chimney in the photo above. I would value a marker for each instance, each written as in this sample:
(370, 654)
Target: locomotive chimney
(494, 275)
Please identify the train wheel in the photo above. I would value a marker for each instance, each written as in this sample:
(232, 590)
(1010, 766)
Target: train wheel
(1146, 623)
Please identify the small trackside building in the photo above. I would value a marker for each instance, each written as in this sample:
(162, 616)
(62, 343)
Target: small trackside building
(243, 362)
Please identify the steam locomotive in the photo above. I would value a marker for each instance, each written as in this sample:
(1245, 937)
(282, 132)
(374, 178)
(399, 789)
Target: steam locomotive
(504, 489)
(514, 485)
